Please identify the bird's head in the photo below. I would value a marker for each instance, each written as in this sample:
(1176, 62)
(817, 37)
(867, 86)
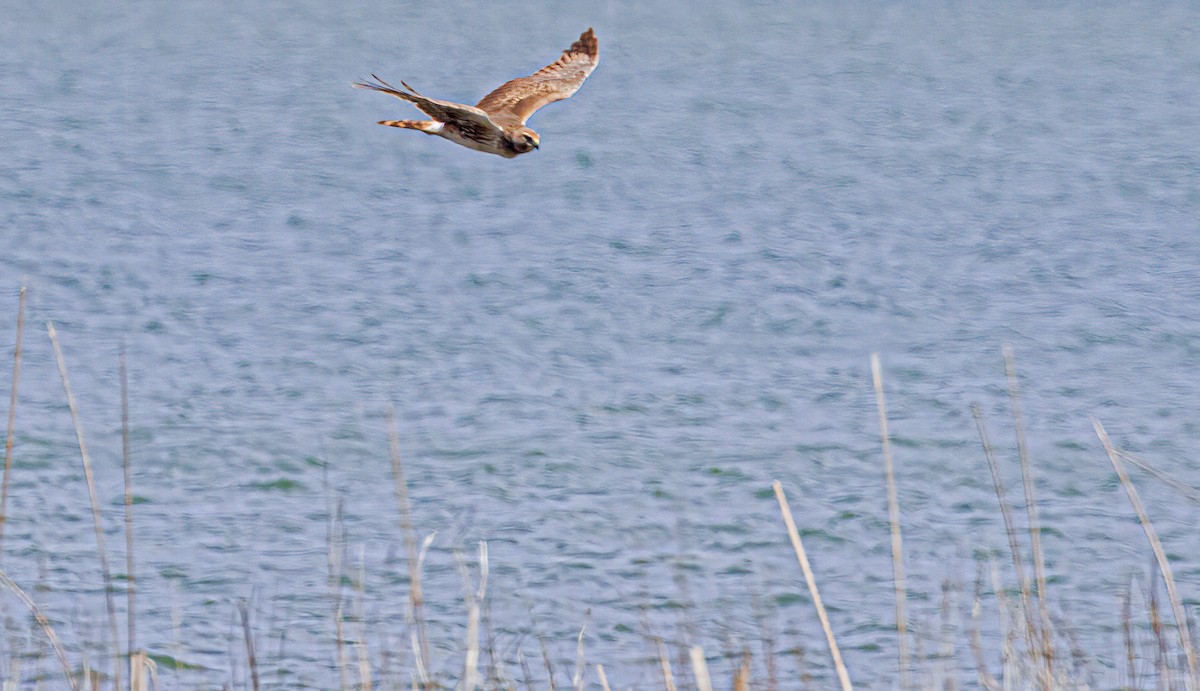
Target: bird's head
(524, 140)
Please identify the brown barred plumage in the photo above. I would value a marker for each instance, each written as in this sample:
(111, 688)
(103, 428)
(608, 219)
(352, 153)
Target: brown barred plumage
(497, 123)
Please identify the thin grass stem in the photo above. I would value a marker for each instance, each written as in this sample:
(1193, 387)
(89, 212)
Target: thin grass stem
(1162, 649)
(986, 680)
(415, 598)
(335, 560)
(1164, 566)
(360, 647)
(700, 668)
(130, 578)
(802, 557)
(95, 503)
(1127, 634)
(474, 598)
(140, 666)
(1035, 531)
(1031, 637)
(546, 661)
(580, 663)
(603, 678)
(12, 416)
(741, 676)
(1185, 489)
(251, 658)
(664, 663)
(44, 623)
(893, 499)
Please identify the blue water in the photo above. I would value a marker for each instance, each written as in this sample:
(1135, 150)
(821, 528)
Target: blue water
(601, 353)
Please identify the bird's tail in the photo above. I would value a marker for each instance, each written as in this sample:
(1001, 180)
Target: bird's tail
(426, 126)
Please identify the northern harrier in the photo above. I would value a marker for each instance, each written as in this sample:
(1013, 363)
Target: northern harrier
(496, 125)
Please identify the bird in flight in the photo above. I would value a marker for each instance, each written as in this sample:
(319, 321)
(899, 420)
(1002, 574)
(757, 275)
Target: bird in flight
(496, 125)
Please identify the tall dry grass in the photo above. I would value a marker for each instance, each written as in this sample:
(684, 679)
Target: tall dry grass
(12, 415)
(893, 501)
(114, 643)
(1025, 656)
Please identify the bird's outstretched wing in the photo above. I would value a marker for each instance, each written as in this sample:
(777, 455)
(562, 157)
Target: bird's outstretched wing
(466, 118)
(520, 98)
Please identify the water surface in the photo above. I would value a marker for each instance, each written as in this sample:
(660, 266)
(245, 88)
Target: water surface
(602, 353)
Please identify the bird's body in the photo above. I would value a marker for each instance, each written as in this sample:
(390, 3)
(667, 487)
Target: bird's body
(496, 125)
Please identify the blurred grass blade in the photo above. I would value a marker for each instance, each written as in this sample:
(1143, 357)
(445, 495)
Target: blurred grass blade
(802, 557)
(12, 416)
(893, 500)
(115, 642)
(1164, 566)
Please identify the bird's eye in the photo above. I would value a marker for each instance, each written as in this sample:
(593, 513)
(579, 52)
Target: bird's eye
(528, 139)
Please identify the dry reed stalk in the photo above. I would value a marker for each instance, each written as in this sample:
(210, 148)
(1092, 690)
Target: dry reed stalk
(523, 662)
(577, 678)
(364, 662)
(12, 416)
(1010, 660)
(802, 668)
(920, 656)
(471, 663)
(1035, 531)
(1127, 632)
(1186, 490)
(474, 600)
(471, 660)
(388, 650)
(767, 639)
(1164, 566)
(176, 626)
(339, 632)
(152, 667)
(497, 673)
(665, 663)
(741, 676)
(802, 557)
(603, 678)
(1162, 653)
(335, 555)
(280, 653)
(1031, 636)
(130, 578)
(546, 661)
(418, 679)
(340, 635)
(1084, 676)
(986, 680)
(415, 599)
(95, 503)
(360, 646)
(947, 652)
(44, 623)
(683, 641)
(893, 499)
(700, 668)
(251, 659)
(139, 665)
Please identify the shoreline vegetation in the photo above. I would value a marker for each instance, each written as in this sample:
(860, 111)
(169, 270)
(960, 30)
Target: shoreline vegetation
(1038, 648)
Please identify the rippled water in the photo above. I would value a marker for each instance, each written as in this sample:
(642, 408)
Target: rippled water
(602, 353)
